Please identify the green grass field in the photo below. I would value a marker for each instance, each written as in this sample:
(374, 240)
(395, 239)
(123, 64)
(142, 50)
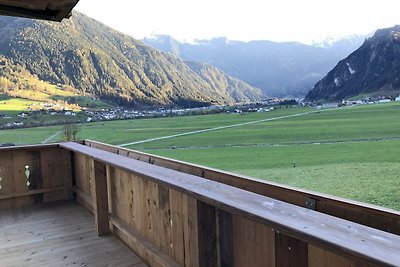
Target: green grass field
(347, 152)
(10, 105)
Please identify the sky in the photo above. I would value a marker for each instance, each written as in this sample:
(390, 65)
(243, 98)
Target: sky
(279, 20)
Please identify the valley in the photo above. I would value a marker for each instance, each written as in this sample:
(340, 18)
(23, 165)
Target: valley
(350, 152)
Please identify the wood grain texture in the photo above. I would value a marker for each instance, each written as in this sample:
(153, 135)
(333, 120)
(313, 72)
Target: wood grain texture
(362, 213)
(49, 170)
(226, 239)
(100, 198)
(342, 237)
(207, 231)
(142, 246)
(290, 251)
(253, 243)
(60, 234)
(318, 257)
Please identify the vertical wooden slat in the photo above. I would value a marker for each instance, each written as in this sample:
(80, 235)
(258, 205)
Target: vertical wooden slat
(207, 234)
(66, 172)
(253, 243)
(191, 233)
(225, 238)
(178, 246)
(20, 160)
(100, 198)
(36, 176)
(53, 172)
(110, 193)
(137, 203)
(165, 219)
(290, 251)
(152, 197)
(7, 179)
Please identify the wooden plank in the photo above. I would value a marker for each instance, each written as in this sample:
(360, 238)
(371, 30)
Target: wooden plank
(60, 234)
(151, 254)
(165, 220)
(290, 251)
(191, 233)
(7, 179)
(54, 171)
(66, 172)
(82, 179)
(84, 199)
(350, 239)
(177, 230)
(20, 160)
(253, 243)
(318, 257)
(47, 171)
(110, 192)
(137, 203)
(27, 147)
(366, 214)
(100, 198)
(153, 214)
(36, 175)
(226, 233)
(207, 227)
(31, 193)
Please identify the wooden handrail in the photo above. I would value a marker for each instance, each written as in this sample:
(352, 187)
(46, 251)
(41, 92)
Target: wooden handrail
(28, 147)
(345, 237)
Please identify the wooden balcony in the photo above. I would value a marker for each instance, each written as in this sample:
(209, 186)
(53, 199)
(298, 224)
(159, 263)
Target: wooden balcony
(171, 213)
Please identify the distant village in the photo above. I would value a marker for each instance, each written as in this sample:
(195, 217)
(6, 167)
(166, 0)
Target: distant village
(64, 114)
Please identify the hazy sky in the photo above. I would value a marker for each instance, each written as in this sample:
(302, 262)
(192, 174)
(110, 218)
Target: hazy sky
(278, 20)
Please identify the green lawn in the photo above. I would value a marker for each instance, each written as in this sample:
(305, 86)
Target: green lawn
(10, 105)
(347, 152)
(364, 171)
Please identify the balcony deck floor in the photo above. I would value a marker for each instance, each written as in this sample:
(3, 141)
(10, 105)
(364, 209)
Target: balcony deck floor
(59, 234)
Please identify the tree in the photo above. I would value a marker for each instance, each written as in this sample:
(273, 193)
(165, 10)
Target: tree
(70, 130)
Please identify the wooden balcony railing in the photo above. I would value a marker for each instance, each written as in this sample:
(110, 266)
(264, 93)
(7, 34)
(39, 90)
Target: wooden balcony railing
(176, 214)
(370, 215)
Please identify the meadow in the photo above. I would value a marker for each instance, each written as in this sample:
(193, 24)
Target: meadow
(349, 152)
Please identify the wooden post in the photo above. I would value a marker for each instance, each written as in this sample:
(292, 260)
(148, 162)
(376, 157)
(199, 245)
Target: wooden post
(100, 198)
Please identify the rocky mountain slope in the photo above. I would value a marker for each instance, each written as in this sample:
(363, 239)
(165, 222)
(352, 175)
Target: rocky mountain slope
(373, 69)
(279, 69)
(96, 60)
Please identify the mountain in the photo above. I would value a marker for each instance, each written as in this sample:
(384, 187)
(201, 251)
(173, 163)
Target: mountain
(279, 69)
(373, 69)
(93, 59)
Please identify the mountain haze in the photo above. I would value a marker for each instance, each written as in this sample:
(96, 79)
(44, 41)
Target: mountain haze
(373, 69)
(94, 59)
(279, 69)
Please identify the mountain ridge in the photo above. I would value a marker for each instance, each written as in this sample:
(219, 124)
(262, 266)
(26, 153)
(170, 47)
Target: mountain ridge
(94, 59)
(279, 69)
(373, 69)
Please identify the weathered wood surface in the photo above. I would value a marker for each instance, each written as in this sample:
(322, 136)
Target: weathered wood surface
(373, 216)
(292, 225)
(100, 198)
(49, 175)
(58, 234)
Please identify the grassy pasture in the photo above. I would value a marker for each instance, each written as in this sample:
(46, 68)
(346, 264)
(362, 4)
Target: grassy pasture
(347, 152)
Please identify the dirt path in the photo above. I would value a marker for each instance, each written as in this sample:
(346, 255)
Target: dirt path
(51, 137)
